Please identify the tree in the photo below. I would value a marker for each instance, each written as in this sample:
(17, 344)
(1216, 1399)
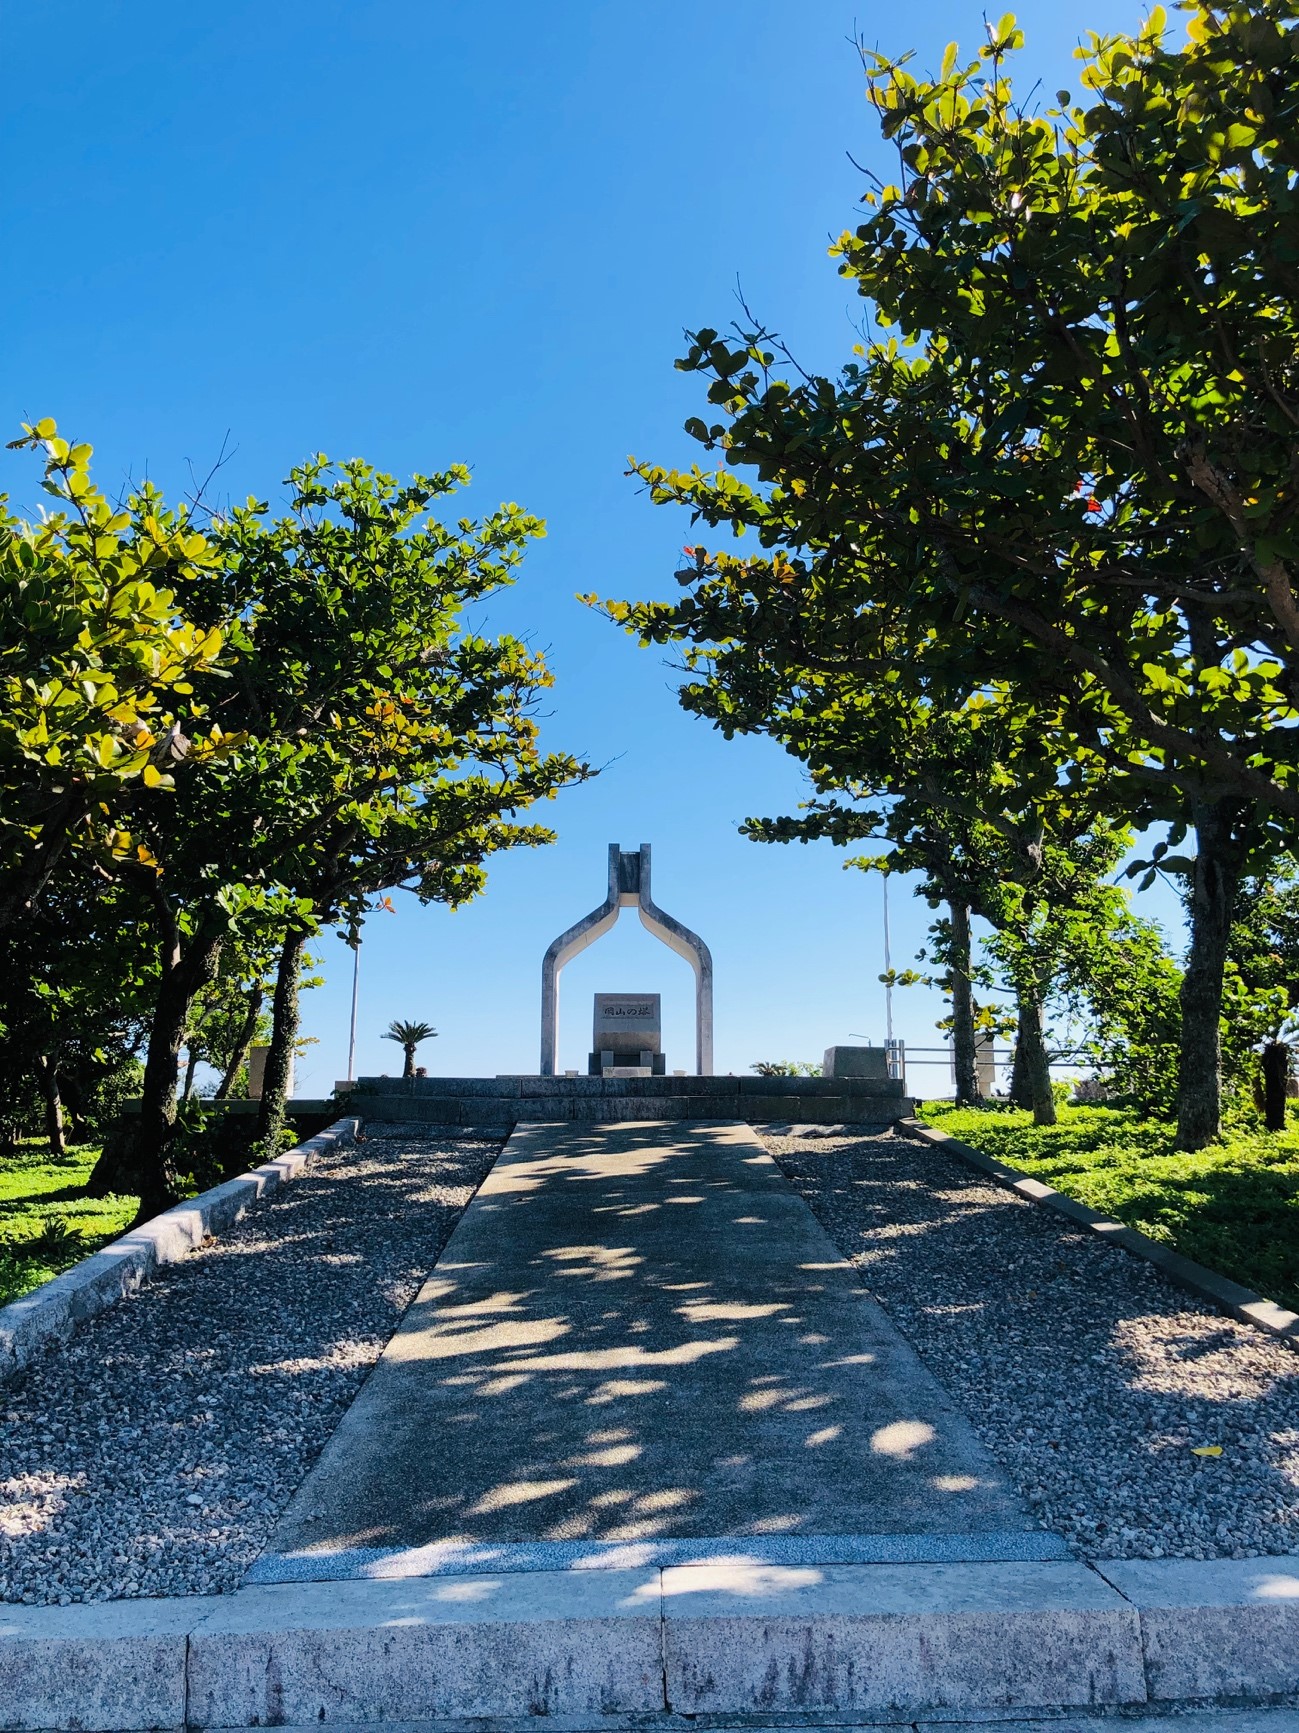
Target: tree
(408, 1037)
(1067, 470)
(97, 660)
(230, 1013)
(1119, 978)
(74, 1000)
(380, 744)
(1265, 974)
(975, 798)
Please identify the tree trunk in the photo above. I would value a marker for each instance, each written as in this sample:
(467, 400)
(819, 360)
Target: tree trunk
(1030, 1051)
(49, 1080)
(1214, 882)
(75, 1101)
(1276, 1080)
(408, 1070)
(186, 969)
(1021, 1093)
(968, 1093)
(284, 1033)
(191, 1066)
(244, 1043)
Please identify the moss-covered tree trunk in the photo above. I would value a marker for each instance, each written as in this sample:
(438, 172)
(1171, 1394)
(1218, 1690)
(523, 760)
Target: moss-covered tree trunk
(284, 1035)
(1215, 879)
(1031, 1054)
(184, 976)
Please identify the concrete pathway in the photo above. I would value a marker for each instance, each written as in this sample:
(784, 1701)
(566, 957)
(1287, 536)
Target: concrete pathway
(639, 1345)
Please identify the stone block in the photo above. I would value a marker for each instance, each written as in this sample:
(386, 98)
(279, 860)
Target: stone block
(120, 1665)
(546, 1643)
(1237, 1720)
(1217, 1627)
(504, 1087)
(627, 1023)
(539, 1088)
(746, 1638)
(772, 1085)
(855, 1062)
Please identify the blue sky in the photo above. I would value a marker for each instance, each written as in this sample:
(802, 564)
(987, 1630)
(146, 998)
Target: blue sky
(420, 233)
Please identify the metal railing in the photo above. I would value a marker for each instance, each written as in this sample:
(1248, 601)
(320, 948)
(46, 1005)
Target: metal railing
(987, 1058)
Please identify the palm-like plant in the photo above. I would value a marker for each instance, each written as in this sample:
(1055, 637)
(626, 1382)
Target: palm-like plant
(408, 1036)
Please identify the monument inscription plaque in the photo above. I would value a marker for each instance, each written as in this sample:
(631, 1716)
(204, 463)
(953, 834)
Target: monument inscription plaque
(627, 1033)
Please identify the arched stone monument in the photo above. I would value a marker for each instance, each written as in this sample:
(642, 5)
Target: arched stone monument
(629, 887)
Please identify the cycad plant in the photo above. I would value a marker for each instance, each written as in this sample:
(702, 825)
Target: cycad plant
(408, 1036)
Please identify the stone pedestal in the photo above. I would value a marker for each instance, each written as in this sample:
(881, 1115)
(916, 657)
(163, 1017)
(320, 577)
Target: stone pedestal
(855, 1062)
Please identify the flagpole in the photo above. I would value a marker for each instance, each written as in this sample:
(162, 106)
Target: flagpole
(888, 968)
(356, 982)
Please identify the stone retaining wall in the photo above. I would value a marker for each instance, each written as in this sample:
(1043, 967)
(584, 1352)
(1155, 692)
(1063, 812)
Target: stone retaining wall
(503, 1101)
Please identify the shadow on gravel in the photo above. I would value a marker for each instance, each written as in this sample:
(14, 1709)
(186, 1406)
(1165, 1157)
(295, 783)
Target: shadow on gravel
(154, 1452)
(1090, 1376)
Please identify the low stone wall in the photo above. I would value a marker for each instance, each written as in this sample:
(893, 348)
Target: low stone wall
(504, 1101)
(30, 1326)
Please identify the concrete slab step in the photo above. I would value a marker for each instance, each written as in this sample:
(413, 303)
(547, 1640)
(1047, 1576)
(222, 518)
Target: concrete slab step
(727, 1643)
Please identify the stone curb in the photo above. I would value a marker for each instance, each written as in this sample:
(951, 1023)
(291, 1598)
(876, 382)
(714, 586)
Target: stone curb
(1241, 1302)
(725, 1638)
(28, 1327)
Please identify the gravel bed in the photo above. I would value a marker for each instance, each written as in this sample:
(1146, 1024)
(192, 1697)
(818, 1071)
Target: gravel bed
(154, 1453)
(1083, 1370)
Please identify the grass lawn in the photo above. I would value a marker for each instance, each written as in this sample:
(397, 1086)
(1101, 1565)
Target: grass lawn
(1234, 1207)
(47, 1223)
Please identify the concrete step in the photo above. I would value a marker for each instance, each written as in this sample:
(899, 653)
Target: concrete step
(756, 1644)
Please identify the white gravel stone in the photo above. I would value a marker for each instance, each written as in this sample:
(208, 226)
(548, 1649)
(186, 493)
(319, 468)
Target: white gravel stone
(1086, 1373)
(153, 1454)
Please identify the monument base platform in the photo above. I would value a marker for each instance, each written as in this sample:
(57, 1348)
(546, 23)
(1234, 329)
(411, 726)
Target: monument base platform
(596, 1100)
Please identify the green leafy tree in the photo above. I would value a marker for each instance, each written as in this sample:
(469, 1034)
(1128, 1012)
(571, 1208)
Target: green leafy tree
(408, 1037)
(74, 1003)
(380, 744)
(976, 799)
(1065, 467)
(232, 1011)
(1263, 986)
(97, 663)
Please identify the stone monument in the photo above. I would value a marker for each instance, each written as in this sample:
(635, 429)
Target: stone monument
(629, 887)
(627, 1040)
